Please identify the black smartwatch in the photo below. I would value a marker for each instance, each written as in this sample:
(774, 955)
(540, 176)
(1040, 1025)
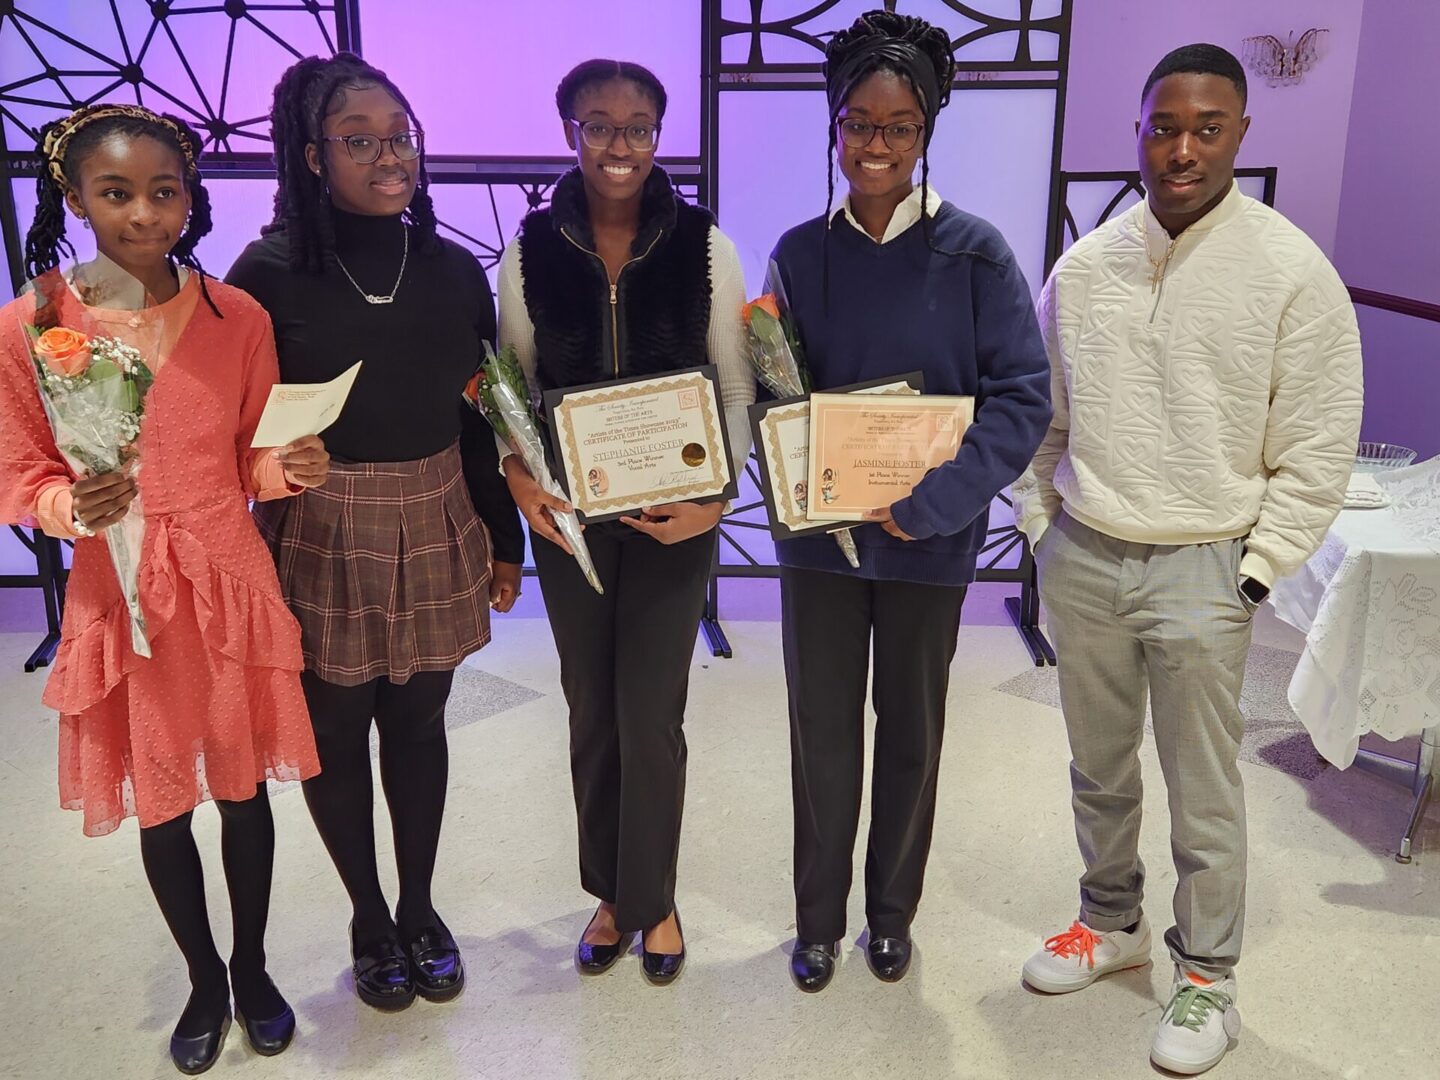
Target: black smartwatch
(1253, 591)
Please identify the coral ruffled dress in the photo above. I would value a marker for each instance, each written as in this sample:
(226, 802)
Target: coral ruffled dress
(218, 708)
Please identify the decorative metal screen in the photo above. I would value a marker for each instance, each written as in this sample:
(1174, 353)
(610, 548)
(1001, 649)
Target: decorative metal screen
(215, 61)
(1089, 199)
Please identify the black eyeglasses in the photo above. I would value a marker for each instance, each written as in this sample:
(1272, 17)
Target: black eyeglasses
(366, 149)
(857, 134)
(599, 134)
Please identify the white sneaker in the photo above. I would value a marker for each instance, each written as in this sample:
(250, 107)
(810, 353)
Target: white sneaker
(1197, 1026)
(1075, 959)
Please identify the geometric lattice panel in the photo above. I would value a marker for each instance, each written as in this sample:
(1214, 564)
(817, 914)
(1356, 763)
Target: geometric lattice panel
(168, 55)
(1001, 38)
(1088, 200)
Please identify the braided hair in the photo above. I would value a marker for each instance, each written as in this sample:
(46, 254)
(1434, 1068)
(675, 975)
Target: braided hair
(46, 242)
(906, 46)
(310, 90)
(594, 72)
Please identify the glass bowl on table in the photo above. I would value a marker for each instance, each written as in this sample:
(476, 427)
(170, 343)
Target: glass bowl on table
(1375, 457)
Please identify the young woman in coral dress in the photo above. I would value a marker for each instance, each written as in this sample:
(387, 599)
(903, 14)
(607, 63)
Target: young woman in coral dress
(217, 709)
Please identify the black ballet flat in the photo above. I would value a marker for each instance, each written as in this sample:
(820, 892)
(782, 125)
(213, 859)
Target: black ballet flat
(269, 1037)
(192, 1056)
(889, 957)
(382, 973)
(435, 964)
(593, 959)
(812, 966)
(661, 969)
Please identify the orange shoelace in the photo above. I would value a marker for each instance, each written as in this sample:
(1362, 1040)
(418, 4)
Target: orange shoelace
(1078, 940)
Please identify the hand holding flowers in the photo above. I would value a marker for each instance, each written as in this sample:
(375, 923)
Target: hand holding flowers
(500, 393)
(778, 361)
(93, 390)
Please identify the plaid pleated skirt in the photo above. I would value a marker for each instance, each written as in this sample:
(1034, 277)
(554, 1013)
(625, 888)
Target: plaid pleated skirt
(386, 567)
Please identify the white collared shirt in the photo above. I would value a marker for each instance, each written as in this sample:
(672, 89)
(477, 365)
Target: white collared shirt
(905, 215)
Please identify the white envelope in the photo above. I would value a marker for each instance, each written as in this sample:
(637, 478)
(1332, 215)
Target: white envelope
(294, 410)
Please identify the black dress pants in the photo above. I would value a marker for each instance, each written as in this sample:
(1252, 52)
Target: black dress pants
(625, 669)
(829, 623)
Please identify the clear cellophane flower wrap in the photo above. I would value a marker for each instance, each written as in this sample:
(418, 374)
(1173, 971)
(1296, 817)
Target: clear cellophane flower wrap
(93, 384)
(778, 361)
(499, 392)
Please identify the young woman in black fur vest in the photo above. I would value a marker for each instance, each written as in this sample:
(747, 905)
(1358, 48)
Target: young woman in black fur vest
(620, 277)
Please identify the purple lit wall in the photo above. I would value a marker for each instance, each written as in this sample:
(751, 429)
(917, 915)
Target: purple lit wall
(1299, 129)
(1389, 236)
(482, 77)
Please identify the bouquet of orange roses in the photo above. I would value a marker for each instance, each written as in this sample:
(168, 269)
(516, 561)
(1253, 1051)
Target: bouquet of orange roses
(93, 389)
(778, 361)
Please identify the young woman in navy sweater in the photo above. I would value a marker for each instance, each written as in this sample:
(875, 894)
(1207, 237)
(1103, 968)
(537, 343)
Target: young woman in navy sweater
(893, 281)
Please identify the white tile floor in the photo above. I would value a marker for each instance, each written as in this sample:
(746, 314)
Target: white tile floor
(1339, 980)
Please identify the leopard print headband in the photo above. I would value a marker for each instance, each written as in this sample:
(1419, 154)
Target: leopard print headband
(58, 140)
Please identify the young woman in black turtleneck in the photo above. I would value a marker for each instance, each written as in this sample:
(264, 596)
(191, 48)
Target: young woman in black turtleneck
(387, 567)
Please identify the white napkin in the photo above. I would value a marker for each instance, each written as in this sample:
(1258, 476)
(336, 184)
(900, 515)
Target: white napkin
(1365, 494)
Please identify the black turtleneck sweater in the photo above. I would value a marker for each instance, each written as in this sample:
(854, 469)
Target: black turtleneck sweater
(418, 351)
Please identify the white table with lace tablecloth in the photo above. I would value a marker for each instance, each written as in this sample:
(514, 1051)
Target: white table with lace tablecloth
(1368, 603)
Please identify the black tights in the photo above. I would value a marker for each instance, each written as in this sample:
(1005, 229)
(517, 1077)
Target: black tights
(172, 863)
(414, 770)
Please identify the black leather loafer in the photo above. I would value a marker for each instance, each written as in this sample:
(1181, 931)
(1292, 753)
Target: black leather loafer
(269, 1037)
(663, 968)
(592, 959)
(435, 964)
(192, 1056)
(812, 966)
(382, 973)
(889, 957)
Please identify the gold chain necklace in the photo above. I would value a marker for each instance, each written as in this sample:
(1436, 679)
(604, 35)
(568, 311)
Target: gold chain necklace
(1159, 266)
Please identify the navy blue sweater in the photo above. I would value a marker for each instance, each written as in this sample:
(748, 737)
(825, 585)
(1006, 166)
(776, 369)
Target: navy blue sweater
(967, 321)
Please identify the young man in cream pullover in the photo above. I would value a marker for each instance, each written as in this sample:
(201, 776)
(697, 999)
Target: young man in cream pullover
(1206, 382)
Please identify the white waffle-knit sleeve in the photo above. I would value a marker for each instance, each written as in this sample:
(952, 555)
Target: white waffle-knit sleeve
(1316, 399)
(1037, 502)
(726, 343)
(515, 329)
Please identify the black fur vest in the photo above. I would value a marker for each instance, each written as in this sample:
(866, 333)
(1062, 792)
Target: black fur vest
(659, 314)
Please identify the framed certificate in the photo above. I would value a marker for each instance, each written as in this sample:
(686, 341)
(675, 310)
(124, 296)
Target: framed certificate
(782, 449)
(641, 442)
(866, 452)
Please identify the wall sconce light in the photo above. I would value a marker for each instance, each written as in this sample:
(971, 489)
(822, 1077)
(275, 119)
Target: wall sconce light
(1284, 63)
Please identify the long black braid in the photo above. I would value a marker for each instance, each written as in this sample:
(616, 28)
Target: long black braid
(309, 91)
(880, 41)
(46, 242)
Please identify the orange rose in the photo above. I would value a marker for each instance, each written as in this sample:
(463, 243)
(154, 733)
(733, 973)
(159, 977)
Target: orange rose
(471, 393)
(767, 302)
(65, 352)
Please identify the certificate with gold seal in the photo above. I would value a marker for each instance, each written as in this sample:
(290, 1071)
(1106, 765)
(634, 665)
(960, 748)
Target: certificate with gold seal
(634, 443)
(866, 452)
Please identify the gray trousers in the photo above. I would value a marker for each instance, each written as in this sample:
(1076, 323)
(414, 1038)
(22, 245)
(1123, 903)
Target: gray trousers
(1127, 618)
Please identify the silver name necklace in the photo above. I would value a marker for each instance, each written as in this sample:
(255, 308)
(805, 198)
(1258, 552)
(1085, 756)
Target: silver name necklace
(389, 298)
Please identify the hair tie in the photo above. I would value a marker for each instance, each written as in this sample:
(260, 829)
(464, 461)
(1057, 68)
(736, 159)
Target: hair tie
(870, 54)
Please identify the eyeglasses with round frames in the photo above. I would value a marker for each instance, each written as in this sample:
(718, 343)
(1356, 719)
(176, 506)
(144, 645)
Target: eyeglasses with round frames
(366, 149)
(857, 134)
